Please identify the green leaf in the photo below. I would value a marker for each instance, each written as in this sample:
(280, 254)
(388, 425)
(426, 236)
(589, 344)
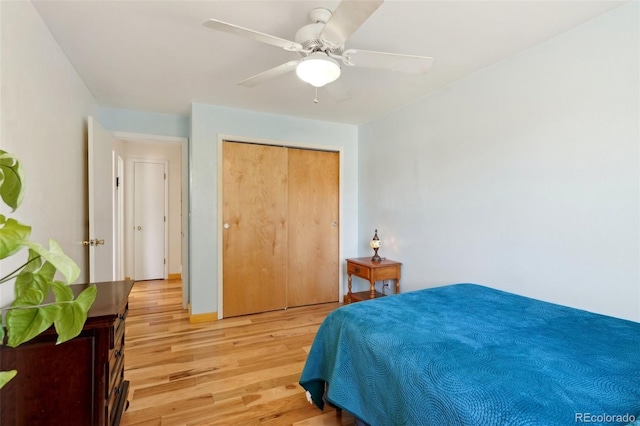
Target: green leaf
(56, 256)
(11, 180)
(30, 297)
(62, 291)
(73, 316)
(40, 279)
(34, 262)
(87, 297)
(23, 324)
(5, 376)
(12, 234)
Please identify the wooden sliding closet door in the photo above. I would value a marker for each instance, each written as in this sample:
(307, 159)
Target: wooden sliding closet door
(313, 227)
(255, 228)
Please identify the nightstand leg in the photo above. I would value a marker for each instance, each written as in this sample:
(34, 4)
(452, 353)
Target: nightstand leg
(373, 289)
(349, 292)
(397, 286)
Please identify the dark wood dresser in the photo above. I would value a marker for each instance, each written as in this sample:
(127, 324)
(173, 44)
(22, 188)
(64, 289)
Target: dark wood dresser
(79, 382)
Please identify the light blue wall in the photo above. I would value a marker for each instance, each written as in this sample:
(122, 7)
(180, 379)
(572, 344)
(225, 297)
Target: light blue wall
(524, 176)
(150, 123)
(207, 122)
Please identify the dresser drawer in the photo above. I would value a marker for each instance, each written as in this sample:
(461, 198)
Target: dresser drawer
(358, 270)
(114, 399)
(118, 326)
(115, 367)
(118, 404)
(113, 396)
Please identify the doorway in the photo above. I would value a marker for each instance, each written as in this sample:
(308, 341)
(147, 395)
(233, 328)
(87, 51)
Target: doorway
(139, 148)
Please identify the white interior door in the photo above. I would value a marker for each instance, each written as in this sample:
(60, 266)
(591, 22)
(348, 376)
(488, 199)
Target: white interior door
(101, 192)
(149, 220)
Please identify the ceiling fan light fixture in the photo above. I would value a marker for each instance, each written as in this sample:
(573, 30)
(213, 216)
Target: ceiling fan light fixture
(318, 69)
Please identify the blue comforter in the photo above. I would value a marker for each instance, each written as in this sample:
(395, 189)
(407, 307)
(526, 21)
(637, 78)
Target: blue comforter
(465, 354)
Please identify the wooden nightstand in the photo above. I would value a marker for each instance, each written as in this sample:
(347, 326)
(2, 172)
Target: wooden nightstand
(371, 271)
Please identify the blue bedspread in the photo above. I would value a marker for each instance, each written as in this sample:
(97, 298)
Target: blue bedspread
(465, 354)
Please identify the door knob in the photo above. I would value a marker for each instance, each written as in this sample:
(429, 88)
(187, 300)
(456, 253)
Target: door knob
(99, 242)
(139, 228)
(89, 243)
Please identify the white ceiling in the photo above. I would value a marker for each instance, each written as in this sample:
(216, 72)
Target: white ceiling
(156, 55)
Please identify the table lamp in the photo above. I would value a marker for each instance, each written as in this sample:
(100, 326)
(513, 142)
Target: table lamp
(375, 245)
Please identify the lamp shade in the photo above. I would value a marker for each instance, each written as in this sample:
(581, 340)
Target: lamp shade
(318, 69)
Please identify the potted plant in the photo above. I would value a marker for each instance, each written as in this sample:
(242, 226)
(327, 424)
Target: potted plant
(40, 299)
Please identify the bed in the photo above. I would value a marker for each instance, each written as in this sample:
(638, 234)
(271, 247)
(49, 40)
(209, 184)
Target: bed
(466, 354)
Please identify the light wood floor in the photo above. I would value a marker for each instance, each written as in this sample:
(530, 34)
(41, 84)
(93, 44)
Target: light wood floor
(236, 371)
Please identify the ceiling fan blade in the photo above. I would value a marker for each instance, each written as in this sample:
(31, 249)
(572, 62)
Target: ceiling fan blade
(338, 90)
(254, 35)
(387, 61)
(269, 74)
(347, 18)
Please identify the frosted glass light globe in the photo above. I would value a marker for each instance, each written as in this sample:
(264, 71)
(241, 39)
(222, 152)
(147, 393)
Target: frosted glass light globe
(318, 69)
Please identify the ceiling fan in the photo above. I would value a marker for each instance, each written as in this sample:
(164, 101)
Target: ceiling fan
(321, 45)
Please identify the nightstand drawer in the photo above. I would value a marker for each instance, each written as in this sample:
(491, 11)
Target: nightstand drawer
(385, 273)
(358, 270)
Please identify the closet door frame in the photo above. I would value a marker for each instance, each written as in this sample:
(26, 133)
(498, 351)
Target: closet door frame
(288, 144)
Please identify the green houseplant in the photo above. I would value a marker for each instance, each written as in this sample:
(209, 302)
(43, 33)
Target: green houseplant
(32, 312)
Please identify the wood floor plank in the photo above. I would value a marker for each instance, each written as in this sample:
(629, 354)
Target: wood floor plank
(255, 387)
(166, 409)
(237, 371)
(163, 388)
(327, 419)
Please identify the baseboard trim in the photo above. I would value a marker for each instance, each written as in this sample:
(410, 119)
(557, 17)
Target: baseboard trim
(177, 276)
(200, 318)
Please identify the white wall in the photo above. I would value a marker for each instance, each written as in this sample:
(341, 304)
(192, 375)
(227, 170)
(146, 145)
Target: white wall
(171, 153)
(44, 106)
(207, 122)
(523, 177)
